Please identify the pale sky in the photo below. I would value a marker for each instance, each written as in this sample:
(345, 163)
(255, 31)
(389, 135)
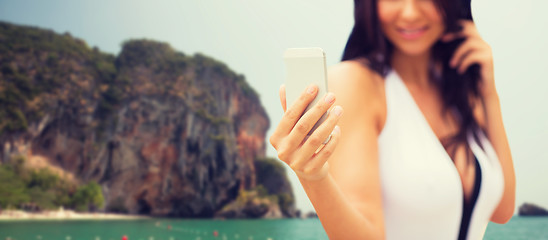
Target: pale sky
(250, 36)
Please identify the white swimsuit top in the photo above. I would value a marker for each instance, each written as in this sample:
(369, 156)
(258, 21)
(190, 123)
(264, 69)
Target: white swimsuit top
(421, 187)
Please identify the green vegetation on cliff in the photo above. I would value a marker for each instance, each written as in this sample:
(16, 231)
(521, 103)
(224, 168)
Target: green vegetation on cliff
(39, 189)
(24, 87)
(154, 55)
(203, 62)
(88, 197)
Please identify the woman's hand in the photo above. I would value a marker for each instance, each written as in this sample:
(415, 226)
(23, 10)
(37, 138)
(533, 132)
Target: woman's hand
(307, 156)
(473, 51)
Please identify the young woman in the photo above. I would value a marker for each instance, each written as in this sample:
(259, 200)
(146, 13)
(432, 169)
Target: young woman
(421, 151)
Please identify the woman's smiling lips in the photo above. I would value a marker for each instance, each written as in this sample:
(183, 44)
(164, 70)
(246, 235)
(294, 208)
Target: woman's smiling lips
(411, 33)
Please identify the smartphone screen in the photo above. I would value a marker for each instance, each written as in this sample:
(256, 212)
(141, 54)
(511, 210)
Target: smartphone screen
(305, 66)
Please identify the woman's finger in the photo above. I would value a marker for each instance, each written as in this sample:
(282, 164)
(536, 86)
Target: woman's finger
(448, 37)
(464, 49)
(468, 25)
(300, 131)
(321, 157)
(469, 60)
(468, 30)
(295, 111)
(290, 117)
(309, 119)
(302, 128)
(283, 100)
(318, 167)
(317, 138)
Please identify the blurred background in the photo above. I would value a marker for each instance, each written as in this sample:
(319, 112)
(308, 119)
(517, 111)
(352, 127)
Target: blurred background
(164, 108)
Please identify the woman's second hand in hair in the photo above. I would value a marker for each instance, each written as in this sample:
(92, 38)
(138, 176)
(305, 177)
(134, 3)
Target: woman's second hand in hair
(474, 50)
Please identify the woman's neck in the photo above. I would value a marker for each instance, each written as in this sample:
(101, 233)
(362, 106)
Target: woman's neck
(412, 69)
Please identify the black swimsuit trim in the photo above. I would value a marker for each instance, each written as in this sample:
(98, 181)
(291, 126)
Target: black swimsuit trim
(468, 206)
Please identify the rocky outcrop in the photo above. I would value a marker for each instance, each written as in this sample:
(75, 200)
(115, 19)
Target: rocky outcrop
(311, 215)
(164, 133)
(251, 204)
(272, 176)
(529, 209)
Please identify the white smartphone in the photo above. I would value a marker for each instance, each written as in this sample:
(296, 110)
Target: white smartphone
(305, 66)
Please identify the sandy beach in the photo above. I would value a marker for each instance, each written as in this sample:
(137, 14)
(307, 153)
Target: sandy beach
(64, 215)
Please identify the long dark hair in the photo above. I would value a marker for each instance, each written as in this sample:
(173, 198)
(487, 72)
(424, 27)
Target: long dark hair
(367, 42)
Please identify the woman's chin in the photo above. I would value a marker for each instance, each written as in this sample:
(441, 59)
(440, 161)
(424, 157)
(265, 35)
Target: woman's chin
(414, 51)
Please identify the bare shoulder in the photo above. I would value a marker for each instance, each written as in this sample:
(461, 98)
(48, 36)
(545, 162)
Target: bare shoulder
(359, 90)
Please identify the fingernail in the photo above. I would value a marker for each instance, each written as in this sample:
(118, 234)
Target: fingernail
(337, 110)
(311, 89)
(329, 98)
(337, 129)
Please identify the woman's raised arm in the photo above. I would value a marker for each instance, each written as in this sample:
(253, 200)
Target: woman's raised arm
(474, 50)
(343, 183)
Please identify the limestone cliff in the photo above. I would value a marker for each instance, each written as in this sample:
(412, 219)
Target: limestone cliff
(164, 133)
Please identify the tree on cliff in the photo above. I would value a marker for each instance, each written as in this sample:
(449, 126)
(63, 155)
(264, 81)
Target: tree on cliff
(38, 189)
(88, 197)
(12, 188)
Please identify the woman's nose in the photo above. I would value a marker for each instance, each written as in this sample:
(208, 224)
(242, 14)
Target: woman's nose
(410, 10)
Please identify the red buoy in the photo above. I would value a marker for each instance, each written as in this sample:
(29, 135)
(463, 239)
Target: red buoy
(215, 233)
(124, 237)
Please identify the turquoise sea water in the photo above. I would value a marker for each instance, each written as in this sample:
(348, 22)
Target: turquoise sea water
(174, 229)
